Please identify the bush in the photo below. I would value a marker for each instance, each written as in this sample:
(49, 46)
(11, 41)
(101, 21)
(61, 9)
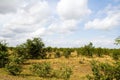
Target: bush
(3, 59)
(31, 49)
(35, 48)
(105, 71)
(3, 54)
(57, 55)
(63, 72)
(99, 52)
(116, 54)
(20, 51)
(66, 73)
(13, 68)
(87, 50)
(41, 69)
(16, 59)
(67, 53)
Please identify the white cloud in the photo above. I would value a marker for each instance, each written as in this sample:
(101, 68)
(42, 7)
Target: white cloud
(26, 22)
(63, 27)
(7, 6)
(111, 20)
(73, 9)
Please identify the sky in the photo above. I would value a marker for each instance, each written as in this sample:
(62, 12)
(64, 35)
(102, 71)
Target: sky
(61, 23)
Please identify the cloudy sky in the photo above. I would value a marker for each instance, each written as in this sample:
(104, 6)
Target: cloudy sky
(61, 23)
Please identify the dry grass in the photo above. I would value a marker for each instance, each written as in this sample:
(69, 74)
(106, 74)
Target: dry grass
(80, 66)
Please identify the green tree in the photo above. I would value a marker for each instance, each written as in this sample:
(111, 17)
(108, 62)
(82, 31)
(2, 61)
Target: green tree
(117, 41)
(88, 50)
(3, 53)
(35, 48)
(20, 51)
(99, 51)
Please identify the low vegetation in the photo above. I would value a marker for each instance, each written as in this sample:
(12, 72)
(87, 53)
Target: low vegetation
(32, 60)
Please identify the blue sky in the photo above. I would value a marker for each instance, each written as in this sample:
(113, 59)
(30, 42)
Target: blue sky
(61, 23)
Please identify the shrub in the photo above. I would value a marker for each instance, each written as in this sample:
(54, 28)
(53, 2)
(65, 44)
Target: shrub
(99, 52)
(3, 59)
(20, 51)
(13, 68)
(65, 72)
(41, 69)
(35, 48)
(67, 53)
(32, 48)
(116, 54)
(105, 71)
(57, 55)
(16, 59)
(3, 54)
(87, 50)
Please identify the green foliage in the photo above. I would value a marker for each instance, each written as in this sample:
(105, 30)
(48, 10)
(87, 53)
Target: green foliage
(79, 51)
(20, 51)
(48, 49)
(57, 54)
(31, 49)
(117, 70)
(88, 50)
(3, 46)
(105, 71)
(13, 68)
(99, 52)
(66, 72)
(35, 48)
(117, 41)
(3, 54)
(41, 69)
(67, 53)
(17, 59)
(3, 58)
(116, 54)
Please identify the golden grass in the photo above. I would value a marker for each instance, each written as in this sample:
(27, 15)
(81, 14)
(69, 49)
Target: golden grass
(80, 66)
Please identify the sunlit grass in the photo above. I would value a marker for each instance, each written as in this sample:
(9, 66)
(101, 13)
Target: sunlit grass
(80, 66)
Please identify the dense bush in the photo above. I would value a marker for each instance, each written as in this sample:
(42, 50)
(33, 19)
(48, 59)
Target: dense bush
(16, 59)
(35, 48)
(32, 48)
(20, 51)
(67, 53)
(3, 54)
(66, 72)
(99, 52)
(41, 69)
(105, 71)
(49, 49)
(13, 68)
(57, 54)
(88, 50)
(116, 54)
(3, 58)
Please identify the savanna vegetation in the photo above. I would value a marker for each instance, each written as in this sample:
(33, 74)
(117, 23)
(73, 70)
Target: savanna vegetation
(33, 61)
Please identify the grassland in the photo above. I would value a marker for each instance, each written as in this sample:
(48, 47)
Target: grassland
(80, 65)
